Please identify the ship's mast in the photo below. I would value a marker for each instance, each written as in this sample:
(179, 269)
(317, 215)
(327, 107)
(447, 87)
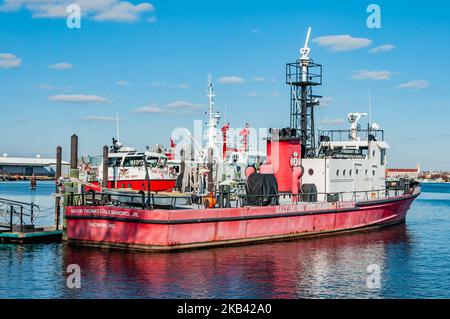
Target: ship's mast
(211, 109)
(301, 76)
(214, 117)
(117, 126)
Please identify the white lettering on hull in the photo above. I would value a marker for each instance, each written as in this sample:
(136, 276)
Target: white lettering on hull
(282, 209)
(101, 225)
(104, 211)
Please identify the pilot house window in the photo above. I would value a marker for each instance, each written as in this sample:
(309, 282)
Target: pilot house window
(383, 157)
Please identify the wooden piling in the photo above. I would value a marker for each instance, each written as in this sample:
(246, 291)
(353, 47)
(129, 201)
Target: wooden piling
(183, 161)
(57, 176)
(74, 152)
(105, 166)
(33, 182)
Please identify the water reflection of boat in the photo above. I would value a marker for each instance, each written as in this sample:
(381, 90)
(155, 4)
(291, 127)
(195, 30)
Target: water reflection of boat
(301, 268)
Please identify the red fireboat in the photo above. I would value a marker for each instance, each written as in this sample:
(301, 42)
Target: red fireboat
(302, 188)
(128, 169)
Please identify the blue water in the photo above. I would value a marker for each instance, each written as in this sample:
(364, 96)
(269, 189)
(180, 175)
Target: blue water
(414, 262)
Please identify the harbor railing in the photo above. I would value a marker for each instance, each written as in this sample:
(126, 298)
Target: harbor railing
(16, 213)
(345, 135)
(222, 200)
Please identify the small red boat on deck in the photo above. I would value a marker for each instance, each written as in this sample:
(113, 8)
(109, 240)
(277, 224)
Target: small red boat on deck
(301, 189)
(132, 170)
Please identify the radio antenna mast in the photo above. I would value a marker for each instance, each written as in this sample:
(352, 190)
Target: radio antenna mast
(117, 126)
(302, 76)
(370, 108)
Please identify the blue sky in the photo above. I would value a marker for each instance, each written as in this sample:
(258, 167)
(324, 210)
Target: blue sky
(149, 62)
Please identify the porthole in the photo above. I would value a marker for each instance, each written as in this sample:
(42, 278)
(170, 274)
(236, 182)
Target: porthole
(311, 171)
(343, 173)
(350, 172)
(373, 173)
(337, 172)
(366, 172)
(373, 152)
(357, 171)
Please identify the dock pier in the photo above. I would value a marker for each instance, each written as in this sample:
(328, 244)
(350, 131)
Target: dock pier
(18, 219)
(19, 224)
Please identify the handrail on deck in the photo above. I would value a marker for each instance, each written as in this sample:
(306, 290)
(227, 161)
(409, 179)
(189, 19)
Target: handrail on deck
(344, 134)
(170, 202)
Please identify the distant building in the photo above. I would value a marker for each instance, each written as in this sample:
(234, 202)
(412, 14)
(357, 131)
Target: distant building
(26, 167)
(411, 173)
(434, 177)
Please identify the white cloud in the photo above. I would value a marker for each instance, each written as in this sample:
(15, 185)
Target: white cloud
(180, 86)
(332, 121)
(339, 43)
(253, 94)
(371, 75)
(99, 10)
(45, 87)
(9, 60)
(185, 106)
(155, 83)
(100, 118)
(122, 83)
(124, 12)
(382, 48)
(231, 79)
(49, 87)
(174, 107)
(417, 84)
(78, 98)
(255, 30)
(61, 66)
(165, 84)
(150, 109)
(325, 101)
(259, 79)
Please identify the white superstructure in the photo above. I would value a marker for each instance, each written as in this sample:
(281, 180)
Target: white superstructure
(348, 162)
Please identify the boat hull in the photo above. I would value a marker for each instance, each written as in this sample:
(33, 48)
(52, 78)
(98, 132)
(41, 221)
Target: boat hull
(165, 230)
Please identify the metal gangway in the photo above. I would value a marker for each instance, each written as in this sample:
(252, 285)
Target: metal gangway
(17, 216)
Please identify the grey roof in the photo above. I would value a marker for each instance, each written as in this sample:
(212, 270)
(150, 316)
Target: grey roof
(27, 161)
